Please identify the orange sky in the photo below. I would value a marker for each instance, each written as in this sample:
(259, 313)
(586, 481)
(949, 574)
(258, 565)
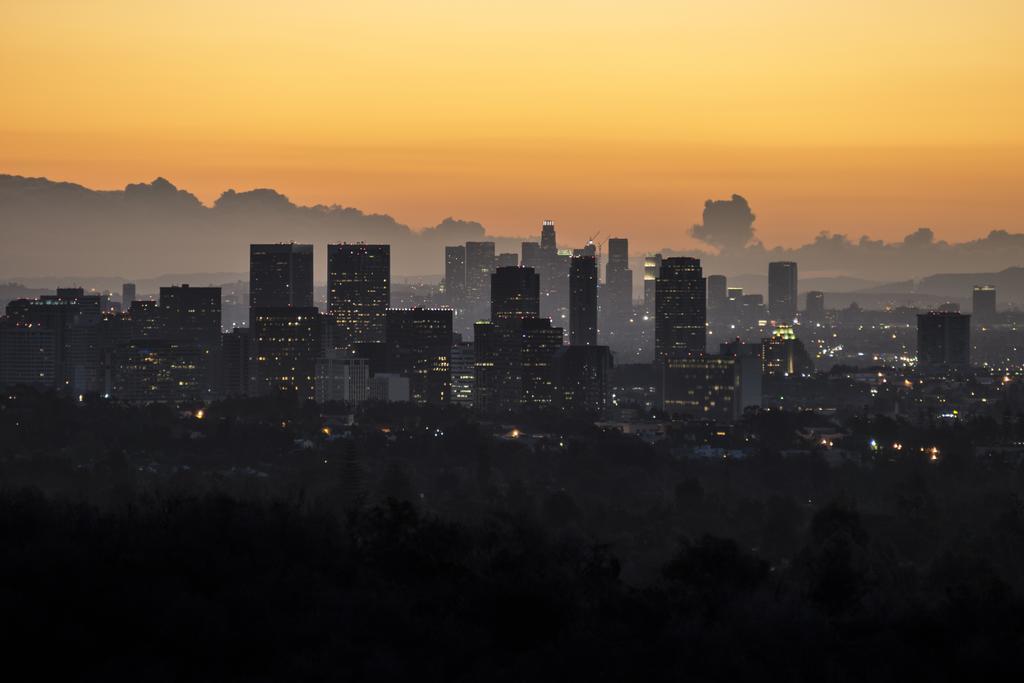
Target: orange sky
(862, 117)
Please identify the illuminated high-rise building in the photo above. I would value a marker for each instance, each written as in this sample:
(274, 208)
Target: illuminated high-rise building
(583, 301)
(782, 290)
(680, 329)
(286, 343)
(358, 291)
(652, 265)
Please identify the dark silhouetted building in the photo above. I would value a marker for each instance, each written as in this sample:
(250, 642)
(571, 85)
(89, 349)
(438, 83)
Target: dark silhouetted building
(782, 290)
(705, 388)
(236, 356)
(583, 301)
(280, 275)
(680, 329)
(480, 264)
(194, 314)
(617, 292)
(455, 276)
(419, 342)
(983, 309)
(515, 293)
(127, 295)
(582, 375)
(814, 310)
(358, 291)
(943, 341)
(718, 296)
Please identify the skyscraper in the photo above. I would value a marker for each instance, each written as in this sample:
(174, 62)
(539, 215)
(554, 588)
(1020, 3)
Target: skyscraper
(814, 311)
(547, 237)
(983, 309)
(455, 275)
(583, 301)
(617, 293)
(782, 290)
(718, 297)
(419, 342)
(127, 295)
(192, 314)
(287, 345)
(652, 266)
(680, 329)
(515, 293)
(480, 263)
(943, 341)
(358, 291)
(280, 275)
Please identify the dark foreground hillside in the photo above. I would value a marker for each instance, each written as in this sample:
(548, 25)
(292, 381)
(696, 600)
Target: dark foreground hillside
(218, 589)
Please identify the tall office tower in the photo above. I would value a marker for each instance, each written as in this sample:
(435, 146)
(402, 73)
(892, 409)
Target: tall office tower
(193, 315)
(539, 343)
(652, 266)
(463, 374)
(553, 268)
(127, 296)
(280, 275)
(480, 262)
(419, 342)
(455, 276)
(617, 294)
(718, 293)
(236, 355)
(358, 291)
(583, 301)
(515, 294)
(680, 310)
(983, 309)
(287, 345)
(547, 237)
(507, 260)
(782, 290)
(530, 254)
(582, 375)
(814, 310)
(943, 341)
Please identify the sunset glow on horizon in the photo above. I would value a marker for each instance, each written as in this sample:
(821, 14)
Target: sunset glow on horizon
(864, 118)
